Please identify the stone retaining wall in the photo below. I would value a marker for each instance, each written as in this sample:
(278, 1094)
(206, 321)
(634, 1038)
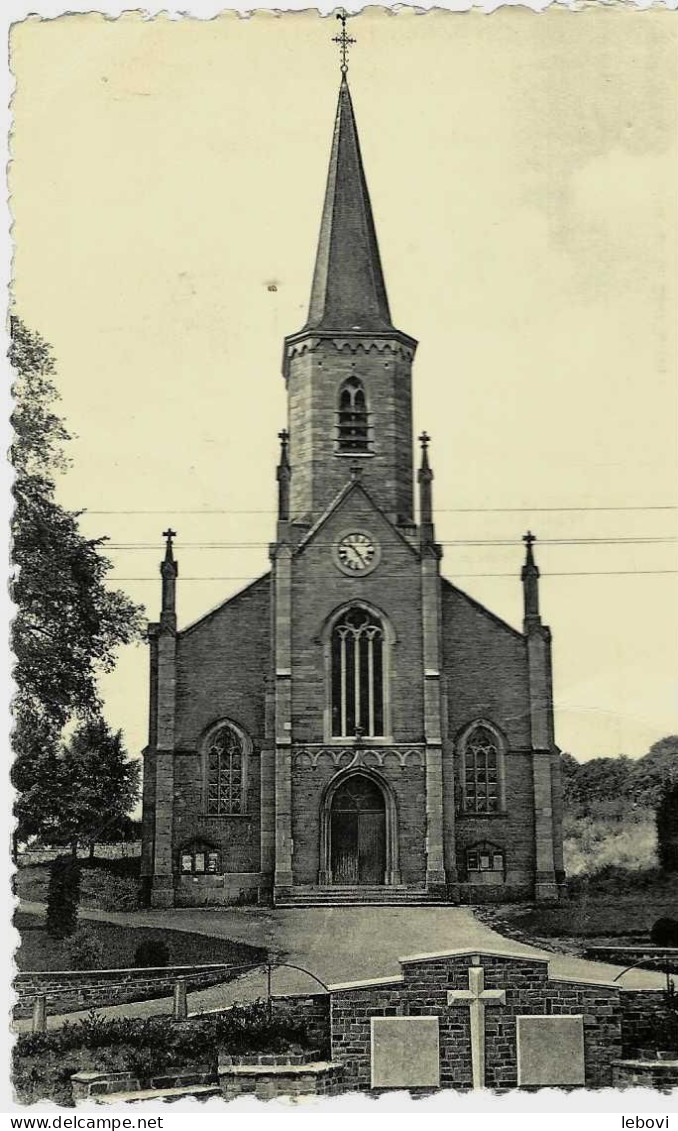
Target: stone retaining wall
(662, 1075)
(314, 1011)
(422, 992)
(270, 1076)
(643, 1012)
(92, 1085)
(69, 990)
(653, 957)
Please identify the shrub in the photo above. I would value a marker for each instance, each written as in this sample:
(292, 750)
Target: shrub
(593, 844)
(44, 1062)
(667, 828)
(84, 950)
(665, 932)
(152, 952)
(110, 892)
(63, 895)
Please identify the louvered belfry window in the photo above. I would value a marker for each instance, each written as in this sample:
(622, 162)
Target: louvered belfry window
(353, 418)
(357, 675)
(225, 767)
(481, 772)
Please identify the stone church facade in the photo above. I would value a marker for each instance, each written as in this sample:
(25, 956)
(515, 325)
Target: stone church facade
(351, 727)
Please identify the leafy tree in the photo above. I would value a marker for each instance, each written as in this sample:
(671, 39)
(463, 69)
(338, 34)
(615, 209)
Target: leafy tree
(94, 786)
(68, 624)
(569, 766)
(655, 770)
(594, 784)
(667, 827)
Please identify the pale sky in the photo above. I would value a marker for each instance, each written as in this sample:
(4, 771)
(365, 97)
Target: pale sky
(523, 174)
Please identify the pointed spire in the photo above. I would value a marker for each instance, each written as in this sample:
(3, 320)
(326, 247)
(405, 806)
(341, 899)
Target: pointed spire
(348, 290)
(425, 479)
(530, 579)
(283, 475)
(169, 571)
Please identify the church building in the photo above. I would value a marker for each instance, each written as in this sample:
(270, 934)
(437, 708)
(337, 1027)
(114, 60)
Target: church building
(351, 727)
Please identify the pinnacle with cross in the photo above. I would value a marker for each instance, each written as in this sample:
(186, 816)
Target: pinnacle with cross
(344, 41)
(529, 539)
(168, 535)
(424, 440)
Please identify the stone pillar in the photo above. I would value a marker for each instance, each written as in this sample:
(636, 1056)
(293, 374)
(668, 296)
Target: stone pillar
(430, 584)
(538, 638)
(283, 717)
(39, 1018)
(267, 809)
(541, 722)
(162, 892)
(180, 1000)
(449, 821)
(545, 887)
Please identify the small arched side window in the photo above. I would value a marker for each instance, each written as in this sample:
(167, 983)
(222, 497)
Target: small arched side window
(482, 771)
(225, 768)
(353, 418)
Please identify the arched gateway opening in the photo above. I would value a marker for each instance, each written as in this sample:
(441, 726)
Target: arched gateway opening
(357, 832)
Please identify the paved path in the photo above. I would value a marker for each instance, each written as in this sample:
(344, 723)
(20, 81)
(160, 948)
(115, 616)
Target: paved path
(339, 944)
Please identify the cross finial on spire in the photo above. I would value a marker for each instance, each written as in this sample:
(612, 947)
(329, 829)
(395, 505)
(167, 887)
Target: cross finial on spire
(169, 534)
(169, 571)
(344, 41)
(424, 440)
(529, 539)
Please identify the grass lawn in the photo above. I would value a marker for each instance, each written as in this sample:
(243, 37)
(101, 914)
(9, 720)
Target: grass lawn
(40, 952)
(613, 905)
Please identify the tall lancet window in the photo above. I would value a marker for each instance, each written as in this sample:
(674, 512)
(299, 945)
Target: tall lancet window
(225, 771)
(483, 771)
(358, 685)
(353, 417)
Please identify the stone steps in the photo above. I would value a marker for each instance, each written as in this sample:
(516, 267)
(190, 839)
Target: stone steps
(184, 1092)
(363, 896)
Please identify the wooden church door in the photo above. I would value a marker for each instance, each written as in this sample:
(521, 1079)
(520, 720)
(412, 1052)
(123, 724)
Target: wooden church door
(358, 833)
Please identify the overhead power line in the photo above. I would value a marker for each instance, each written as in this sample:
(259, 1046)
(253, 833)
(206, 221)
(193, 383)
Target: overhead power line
(629, 541)
(439, 510)
(382, 574)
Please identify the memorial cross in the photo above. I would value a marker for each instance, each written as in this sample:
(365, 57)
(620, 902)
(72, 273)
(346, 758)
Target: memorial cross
(477, 997)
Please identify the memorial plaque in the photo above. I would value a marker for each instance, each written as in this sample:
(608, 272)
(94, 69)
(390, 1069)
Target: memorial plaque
(405, 1052)
(551, 1051)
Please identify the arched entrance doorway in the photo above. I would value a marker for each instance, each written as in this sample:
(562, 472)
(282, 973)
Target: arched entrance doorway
(357, 832)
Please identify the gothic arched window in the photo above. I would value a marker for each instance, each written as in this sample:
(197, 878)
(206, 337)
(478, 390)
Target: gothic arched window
(225, 771)
(482, 771)
(358, 683)
(353, 419)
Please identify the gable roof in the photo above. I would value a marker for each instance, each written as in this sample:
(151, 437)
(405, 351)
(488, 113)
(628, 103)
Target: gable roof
(222, 604)
(481, 608)
(354, 485)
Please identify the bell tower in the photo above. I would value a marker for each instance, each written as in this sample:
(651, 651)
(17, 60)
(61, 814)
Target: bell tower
(348, 370)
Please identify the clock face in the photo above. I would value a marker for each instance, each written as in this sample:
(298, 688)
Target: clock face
(357, 552)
